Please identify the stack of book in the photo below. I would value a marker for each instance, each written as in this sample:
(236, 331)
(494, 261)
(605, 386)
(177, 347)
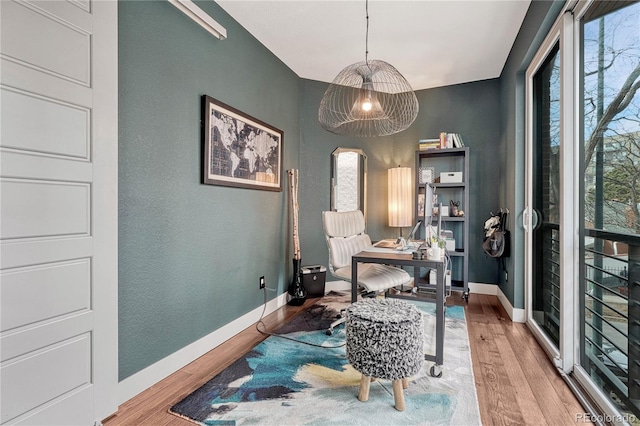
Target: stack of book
(446, 140)
(425, 144)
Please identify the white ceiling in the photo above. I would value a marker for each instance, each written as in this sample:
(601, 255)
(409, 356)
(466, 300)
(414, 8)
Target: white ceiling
(432, 43)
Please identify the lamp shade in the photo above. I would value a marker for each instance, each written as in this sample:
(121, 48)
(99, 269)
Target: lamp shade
(369, 98)
(400, 197)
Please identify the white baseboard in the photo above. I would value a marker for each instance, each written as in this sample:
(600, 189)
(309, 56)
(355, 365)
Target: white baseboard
(481, 288)
(516, 314)
(133, 385)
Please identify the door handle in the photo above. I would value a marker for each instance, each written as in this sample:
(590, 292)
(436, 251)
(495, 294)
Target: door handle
(530, 219)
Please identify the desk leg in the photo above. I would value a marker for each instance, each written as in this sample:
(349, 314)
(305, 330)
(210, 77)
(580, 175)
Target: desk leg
(354, 280)
(440, 291)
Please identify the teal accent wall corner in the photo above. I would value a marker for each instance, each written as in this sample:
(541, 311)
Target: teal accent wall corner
(539, 19)
(190, 255)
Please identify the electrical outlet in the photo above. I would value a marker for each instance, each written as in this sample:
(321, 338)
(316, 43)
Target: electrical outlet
(506, 276)
(262, 282)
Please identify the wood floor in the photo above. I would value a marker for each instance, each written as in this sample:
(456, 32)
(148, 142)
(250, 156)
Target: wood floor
(515, 381)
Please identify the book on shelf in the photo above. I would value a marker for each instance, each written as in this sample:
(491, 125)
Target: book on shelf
(443, 140)
(425, 144)
(457, 140)
(446, 140)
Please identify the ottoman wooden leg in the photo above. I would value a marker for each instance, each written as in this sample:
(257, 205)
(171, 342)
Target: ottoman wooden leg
(365, 381)
(405, 383)
(398, 394)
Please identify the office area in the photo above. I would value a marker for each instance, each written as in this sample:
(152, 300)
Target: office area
(190, 255)
(489, 114)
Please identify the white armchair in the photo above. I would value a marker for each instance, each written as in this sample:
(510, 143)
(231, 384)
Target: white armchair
(344, 232)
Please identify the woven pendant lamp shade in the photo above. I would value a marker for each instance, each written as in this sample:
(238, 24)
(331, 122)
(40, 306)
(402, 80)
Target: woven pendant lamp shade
(368, 98)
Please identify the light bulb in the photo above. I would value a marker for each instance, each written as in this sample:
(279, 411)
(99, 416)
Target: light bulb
(367, 105)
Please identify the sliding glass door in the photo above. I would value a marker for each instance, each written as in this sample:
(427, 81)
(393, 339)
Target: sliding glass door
(550, 240)
(582, 213)
(610, 201)
(545, 200)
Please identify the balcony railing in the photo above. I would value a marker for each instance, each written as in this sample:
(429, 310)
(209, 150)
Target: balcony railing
(611, 312)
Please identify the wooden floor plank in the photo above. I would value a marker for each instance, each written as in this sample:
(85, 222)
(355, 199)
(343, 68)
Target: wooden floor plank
(568, 399)
(544, 379)
(515, 381)
(500, 405)
(527, 401)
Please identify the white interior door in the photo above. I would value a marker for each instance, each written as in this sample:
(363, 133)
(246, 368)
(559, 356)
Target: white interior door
(58, 206)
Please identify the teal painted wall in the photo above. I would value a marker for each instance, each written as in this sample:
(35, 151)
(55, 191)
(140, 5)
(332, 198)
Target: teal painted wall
(471, 109)
(190, 254)
(539, 19)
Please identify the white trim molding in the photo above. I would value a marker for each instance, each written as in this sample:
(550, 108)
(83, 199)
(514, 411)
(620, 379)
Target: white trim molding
(200, 17)
(516, 314)
(144, 379)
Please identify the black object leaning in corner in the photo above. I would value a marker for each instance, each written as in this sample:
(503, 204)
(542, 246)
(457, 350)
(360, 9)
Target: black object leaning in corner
(296, 291)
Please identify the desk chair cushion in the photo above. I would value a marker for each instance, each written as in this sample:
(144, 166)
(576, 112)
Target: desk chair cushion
(375, 277)
(341, 249)
(343, 224)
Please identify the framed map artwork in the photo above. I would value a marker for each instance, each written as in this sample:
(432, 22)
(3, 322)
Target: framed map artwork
(239, 150)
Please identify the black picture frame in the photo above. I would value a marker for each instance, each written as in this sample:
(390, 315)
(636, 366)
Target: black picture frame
(239, 150)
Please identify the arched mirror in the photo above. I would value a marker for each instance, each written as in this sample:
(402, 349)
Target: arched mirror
(349, 180)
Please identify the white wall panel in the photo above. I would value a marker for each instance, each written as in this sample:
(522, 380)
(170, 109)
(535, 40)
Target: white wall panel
(30, 295)
(57, 412)
(23, 164)
(40, 208)
(63, 367)
(35, 123)
(36, 39)
(16, 342)
(49, 85)
(17, 253)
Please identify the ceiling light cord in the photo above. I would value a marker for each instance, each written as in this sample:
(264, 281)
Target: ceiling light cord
(366, 41)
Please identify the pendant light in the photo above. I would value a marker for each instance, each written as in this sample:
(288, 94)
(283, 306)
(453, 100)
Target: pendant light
(368, 98)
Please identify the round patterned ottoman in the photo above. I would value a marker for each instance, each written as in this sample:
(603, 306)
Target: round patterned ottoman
(384, 340)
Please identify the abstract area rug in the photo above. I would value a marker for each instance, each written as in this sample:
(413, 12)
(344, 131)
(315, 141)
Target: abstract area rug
(284, 382)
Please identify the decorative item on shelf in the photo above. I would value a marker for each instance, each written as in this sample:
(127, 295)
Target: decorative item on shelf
(454, 206)
(426, 175)
(451, 177)
(296, 291)
(368, 98)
